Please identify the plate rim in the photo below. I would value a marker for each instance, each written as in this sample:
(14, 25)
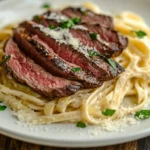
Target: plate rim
(75, 143)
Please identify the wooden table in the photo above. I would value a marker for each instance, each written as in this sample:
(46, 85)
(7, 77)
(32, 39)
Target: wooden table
(7, 143)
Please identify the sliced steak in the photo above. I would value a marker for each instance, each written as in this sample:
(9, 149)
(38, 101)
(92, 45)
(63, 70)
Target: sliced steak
(105, 48)
(108, 35)
(70, 49)
(89, 16)
(108, 42)
(45, 56)
(26, 71)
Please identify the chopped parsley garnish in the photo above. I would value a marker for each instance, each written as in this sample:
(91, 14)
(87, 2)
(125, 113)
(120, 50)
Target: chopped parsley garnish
(51, 26)
(108, 112)
(93, 36)
(140, 34)
(70, 22)
(37, 19)
(6, 58)
(94, 53)
(76, 20)
(47, 6)
(76, 69)
(67, 24)
(142, 114)
(81, 124)
(112, 63)
(2, 107)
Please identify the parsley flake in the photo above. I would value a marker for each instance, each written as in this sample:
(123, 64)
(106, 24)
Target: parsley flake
(47, 6)
(51, 26)
(67, 24)
(76, 20)
(6, 58)
(37, 19)
(108, 112)
(142, 114)
(70, 22)
(2, 107)
(75, 69)
(94, 53)
(81, 124)
(140, 34)
(112, 63)
(93, 36)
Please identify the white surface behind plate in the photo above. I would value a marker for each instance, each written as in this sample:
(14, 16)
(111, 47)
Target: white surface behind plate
(65, 134)
(12, 10)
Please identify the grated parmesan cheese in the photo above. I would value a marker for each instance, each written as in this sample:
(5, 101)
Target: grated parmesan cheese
(63, 36)
(55, 16)
(79, 27)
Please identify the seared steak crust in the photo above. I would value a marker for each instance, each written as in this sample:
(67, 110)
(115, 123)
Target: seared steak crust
(89, 16)
(24, 70)
(61, 52)
(109, 42)
(39, 51)
(111, 37)
(96, 65)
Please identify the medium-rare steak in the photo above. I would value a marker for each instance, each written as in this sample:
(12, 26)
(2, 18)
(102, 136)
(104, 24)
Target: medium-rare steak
(89, 16)
(71, 49)
(105, 48)
(109, 36)
(45, 56)
(94, 41)
(61, 52)
(26, 71)
(108, 42)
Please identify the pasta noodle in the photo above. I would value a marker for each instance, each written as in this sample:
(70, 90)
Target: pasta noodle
(132, 86)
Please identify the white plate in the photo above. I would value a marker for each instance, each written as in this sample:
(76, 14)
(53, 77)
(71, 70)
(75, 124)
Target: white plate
(67, 135)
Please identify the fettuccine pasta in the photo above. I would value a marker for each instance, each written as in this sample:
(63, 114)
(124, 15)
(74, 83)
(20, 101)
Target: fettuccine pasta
(126, 94)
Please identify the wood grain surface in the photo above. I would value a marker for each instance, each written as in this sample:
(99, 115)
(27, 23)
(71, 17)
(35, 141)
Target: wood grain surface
(7, 143)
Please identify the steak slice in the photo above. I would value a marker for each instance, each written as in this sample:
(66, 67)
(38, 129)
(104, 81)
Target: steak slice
(108, 35)
(89, 16)
(24, 70)
(45, 56)
(104, 47)
(70, 49)
(108, 42)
